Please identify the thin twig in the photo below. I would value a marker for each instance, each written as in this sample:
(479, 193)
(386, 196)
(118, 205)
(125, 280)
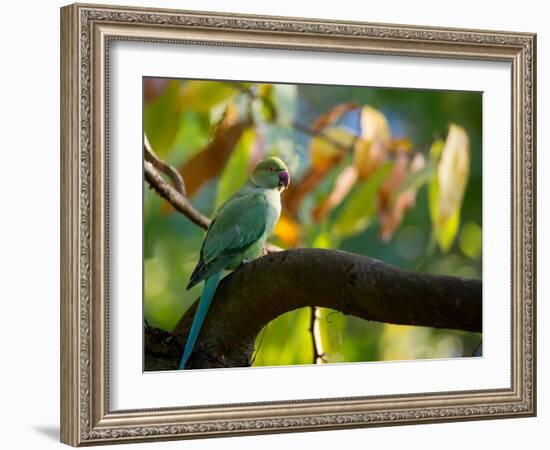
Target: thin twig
(176, 196)
(357, 286)
(315, 326)
(319, 356)
(174, 175)
(321, 134)
(296, 124)
(178, 201)
(259, 345)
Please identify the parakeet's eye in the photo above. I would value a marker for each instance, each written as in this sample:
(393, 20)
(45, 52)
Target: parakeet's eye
(271, 169)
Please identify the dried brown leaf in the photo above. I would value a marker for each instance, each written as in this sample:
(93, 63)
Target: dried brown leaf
(343, 185)
(332, 116)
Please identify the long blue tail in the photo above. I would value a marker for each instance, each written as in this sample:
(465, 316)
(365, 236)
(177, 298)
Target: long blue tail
(210, 285)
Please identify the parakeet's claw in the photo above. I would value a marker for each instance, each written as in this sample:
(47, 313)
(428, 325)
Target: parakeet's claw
(245, 261)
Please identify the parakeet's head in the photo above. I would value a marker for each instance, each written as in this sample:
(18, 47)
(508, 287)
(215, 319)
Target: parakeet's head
(271, 173)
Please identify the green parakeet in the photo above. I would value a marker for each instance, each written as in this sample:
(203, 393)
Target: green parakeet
(237, 234)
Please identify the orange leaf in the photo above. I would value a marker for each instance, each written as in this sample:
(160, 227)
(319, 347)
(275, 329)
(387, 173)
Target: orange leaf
(401, 144)
(210, 162)
(392, 218)
(293, 196)
(395, 178)
(326, 151)
(369, 156)
(288, 230)
(392, 208)
(153, 88)
(372, 147)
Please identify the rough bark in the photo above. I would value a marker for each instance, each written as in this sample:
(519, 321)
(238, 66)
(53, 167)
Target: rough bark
(263, 289)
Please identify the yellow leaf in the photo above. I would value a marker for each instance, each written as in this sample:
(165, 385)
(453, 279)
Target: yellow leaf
(368, 156)
(329, 145)
(437, 148)
(201, 96)
(446, 189)
(453, 172)
(433, 200)
(372, 146)
(446, 232)
(325, 147)
(401, 144)
(323, 240)
(374, 125)
(264, 89)
(470, 241)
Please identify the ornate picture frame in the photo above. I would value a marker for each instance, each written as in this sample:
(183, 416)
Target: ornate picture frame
(87, 31)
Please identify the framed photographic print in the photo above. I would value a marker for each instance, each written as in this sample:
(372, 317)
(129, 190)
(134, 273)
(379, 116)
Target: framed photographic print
(337, 220)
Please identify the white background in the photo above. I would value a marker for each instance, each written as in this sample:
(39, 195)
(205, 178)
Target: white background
(132, 389)
(29, 225)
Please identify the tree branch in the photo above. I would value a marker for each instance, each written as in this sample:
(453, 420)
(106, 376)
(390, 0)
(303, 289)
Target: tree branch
(176, 196)
(159, 164)
(314, 131)
(178, 201)
(262, 290)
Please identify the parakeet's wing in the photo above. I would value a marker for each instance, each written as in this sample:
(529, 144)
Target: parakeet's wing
(239, 223)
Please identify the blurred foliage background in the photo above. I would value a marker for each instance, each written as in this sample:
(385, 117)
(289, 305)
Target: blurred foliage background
(394, 174)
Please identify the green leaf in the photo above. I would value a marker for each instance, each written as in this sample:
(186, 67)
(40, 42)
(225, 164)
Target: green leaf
(433, 199)
(436, 149)
(237, 168)
(361, 205)
(285, 340)
(433, 185)
(218, 111)
(161, 119)
(470, 241)
(200, 96)
(191, 138)
(415, 180)
(324, 240)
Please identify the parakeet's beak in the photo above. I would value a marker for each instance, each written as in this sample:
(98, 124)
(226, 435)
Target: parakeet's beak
(284, 180)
